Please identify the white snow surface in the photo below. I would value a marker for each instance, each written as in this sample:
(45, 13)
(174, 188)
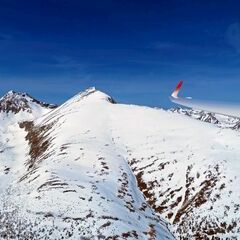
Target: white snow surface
(80, 186)
(91, 169)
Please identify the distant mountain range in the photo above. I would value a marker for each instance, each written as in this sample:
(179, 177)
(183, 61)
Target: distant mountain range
(95, 169)
(217, 119)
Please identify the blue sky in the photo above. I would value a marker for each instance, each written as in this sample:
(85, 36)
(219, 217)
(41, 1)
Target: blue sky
(134, 50)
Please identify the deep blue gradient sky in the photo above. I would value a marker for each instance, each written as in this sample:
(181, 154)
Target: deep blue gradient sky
(134, 50)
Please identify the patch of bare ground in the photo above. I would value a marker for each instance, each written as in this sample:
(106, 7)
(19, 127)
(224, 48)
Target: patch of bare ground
(145, 189)
(39, 142)
(130, 235)
(123, 192)
(107, 224)
(150, 197)
(151, 233)
(15, 226)
(105, 169)
(201, 196)
(206, 227)
(52, 184)
(110, 217)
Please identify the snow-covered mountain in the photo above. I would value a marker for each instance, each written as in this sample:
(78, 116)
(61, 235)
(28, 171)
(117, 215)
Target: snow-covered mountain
(217, 119)
(93, 169)
(16, 102)
(63, 176)
(16, 107)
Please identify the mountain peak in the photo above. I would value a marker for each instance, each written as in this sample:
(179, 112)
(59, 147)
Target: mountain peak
(16, 101)
(93, 94)
(10, 92)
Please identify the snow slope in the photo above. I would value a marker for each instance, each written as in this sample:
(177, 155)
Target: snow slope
(188, 170)
(15, 108)
(111, 171)
(74, 181)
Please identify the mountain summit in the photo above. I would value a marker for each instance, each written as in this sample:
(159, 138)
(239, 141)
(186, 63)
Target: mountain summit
(93, 94)
(15, 102)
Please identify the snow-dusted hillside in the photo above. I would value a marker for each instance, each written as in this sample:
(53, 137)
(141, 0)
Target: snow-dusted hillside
(188, 170)
(15, 108)
(94, 169)
(63, 176)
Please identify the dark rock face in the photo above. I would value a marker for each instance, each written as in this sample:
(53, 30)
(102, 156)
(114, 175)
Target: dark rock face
(237, 125)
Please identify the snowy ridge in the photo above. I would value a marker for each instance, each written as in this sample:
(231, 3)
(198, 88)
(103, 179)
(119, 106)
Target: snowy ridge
(217, 119)
(75, 181)
(93, 169)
